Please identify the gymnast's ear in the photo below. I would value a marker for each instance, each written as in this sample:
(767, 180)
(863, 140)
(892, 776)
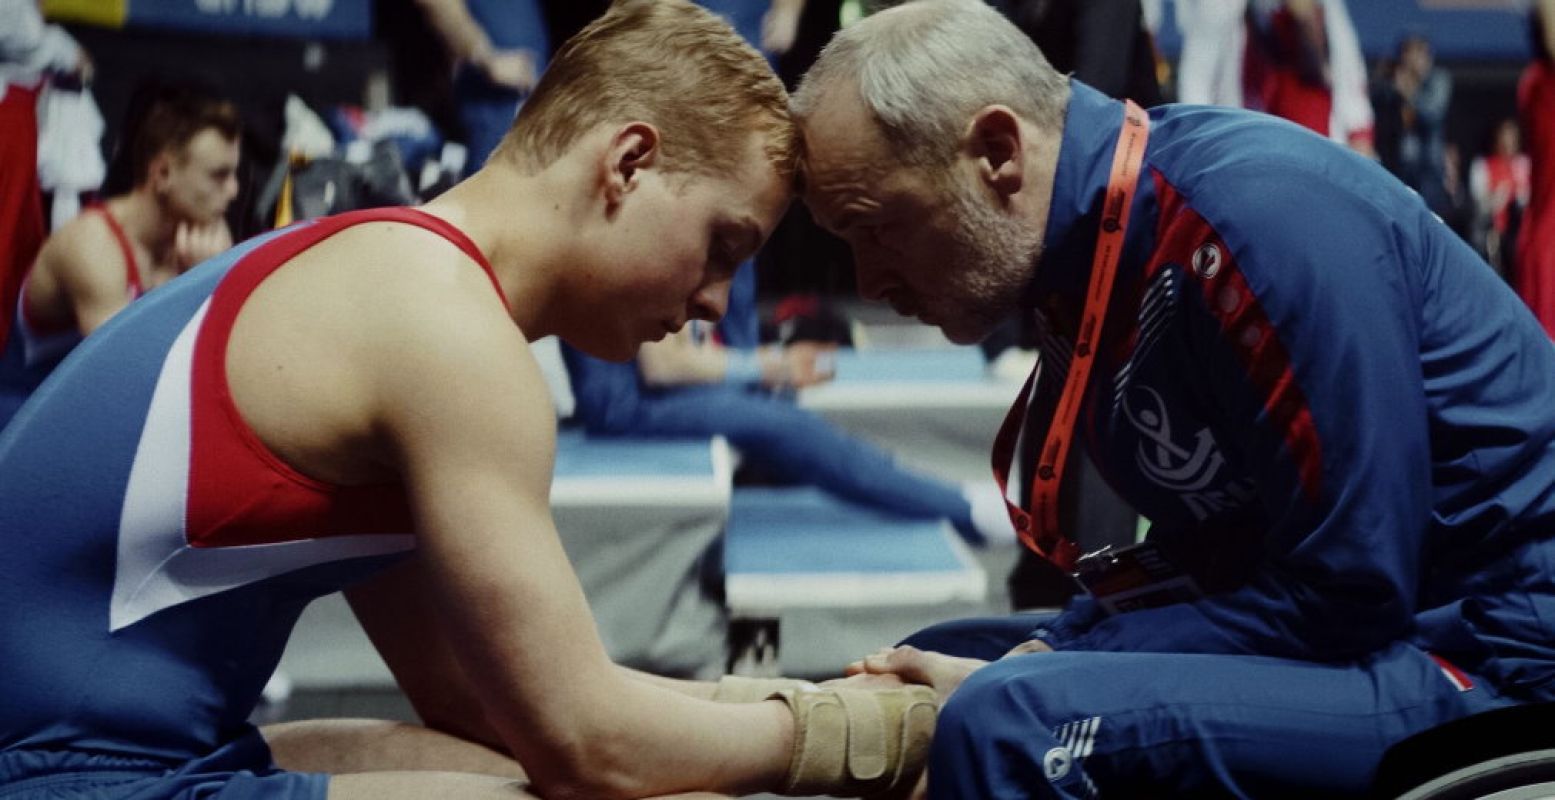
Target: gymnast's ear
(633, 148)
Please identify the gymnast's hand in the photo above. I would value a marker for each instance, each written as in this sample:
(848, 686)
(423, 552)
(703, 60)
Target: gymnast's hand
(865, 680)
(912, 665)
(193, 244)
(1028, 646)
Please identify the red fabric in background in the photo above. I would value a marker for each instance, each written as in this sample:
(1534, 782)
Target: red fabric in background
(21, 205)
(1535, 279)
(1273, 81)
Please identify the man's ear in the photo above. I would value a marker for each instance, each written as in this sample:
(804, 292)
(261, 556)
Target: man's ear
(160, 170)
(633, 148)
(995, 141)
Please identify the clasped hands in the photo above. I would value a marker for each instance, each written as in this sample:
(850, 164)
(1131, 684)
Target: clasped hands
(895, 666)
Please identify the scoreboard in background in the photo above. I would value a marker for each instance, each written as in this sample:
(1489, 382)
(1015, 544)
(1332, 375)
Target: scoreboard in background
(307, 19)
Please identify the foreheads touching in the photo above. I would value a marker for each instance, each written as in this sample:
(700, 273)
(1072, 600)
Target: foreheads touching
(669, 64)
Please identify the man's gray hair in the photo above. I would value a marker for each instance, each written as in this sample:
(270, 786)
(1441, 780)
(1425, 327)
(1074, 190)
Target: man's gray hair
(924, 67)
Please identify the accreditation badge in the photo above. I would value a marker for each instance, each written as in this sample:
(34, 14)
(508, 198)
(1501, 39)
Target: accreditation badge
(1132, 578)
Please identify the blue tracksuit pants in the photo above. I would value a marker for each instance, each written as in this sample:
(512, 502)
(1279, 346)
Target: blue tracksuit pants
(1133, 725)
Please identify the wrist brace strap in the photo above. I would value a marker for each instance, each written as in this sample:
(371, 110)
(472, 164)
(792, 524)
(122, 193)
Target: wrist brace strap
(858, 742)
(740, 689)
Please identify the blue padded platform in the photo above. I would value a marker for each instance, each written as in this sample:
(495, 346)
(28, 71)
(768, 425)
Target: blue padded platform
(940, 364)
(805, 530)
(610, 471)
(800, 547)
(578, 455)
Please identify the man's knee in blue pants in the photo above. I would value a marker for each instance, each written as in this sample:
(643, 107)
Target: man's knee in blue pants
(986, 638)
(996, 740)
(1188, 725)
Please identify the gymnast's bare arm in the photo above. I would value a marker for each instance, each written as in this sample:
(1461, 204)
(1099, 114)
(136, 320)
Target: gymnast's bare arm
(80, 274)
(419, 374)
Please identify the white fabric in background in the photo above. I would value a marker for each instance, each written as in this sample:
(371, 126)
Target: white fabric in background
(1351, 112)
(70, 156)
(29, 47)
(1209, 71)
(306, 134)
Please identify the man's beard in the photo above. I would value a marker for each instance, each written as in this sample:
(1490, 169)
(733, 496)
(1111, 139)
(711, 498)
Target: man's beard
(993, 258)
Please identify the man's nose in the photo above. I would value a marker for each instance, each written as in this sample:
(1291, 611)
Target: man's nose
(711, 301)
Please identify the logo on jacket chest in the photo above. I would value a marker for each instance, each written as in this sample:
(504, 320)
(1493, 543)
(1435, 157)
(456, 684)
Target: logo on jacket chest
(1183, 462)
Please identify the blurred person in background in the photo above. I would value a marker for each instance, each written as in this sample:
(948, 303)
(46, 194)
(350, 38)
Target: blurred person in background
(1499, 183)
(500, 48)
(30, 51)
(1411, 98)
(1214, 42)
(1535, 279)
(770, 26)
(182, 153)
(1459, 212)
(1297, 59)
(1083, 37)
(688, 385)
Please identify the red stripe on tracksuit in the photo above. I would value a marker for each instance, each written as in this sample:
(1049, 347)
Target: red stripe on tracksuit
(1180, 234)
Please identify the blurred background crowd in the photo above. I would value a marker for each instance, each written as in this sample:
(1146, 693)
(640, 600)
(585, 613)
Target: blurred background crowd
(351, 103)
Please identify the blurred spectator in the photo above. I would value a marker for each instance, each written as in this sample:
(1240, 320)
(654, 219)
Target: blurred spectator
(70, 153)
(1536, 240)
(29, 52)
(501, 47)
(1411, 97)
(683, 387)
(1304, 65)
(769, 25)
(1083, 37)
(1499, 181)
(1460, 212)
(183, 156)
(1287, 64)
(1297, 59)
(465, 64)
(1214, 41)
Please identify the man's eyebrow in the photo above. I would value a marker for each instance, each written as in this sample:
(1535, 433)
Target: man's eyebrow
(855, 208)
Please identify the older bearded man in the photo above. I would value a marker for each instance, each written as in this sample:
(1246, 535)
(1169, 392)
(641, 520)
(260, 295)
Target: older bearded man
(1340, 422)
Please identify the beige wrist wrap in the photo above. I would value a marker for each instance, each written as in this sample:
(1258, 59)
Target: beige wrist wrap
(740, 689)
(857, 742)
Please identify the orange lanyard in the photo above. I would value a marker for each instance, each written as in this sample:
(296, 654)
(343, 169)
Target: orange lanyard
(1038, 529)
